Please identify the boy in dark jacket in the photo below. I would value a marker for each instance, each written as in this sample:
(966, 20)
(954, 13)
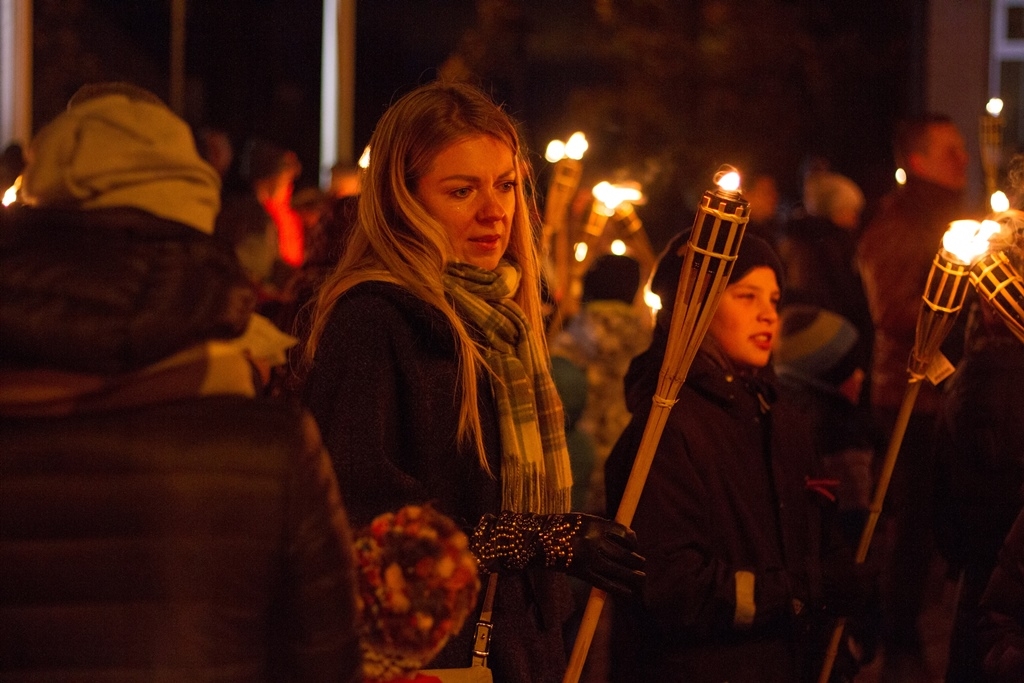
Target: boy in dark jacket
(732, 518)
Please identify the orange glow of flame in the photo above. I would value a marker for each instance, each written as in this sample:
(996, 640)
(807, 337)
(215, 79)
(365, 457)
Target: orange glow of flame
(967, 240)
(728, 179)
(611, 196)
(11, 194)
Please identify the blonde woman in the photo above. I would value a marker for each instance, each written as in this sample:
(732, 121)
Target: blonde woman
(430, 380)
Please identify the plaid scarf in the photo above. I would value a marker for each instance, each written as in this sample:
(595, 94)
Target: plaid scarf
(534, 460)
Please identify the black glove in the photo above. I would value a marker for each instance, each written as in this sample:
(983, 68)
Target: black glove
(851, 589)
(597, 550)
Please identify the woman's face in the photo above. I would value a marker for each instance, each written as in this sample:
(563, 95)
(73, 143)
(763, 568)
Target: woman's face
(747, 318)
(470, 190)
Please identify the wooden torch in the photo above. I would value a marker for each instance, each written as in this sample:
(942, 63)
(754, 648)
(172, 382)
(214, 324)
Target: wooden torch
(942, 300)
(708, 259)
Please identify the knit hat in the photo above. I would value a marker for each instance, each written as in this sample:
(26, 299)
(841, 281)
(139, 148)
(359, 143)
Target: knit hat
(117, 151)
(827, 195)
(417, 582)
(754, 251)
(612, 277)
(816, 345)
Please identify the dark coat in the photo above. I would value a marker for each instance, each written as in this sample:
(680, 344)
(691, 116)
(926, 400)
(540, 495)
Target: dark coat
(894, 256)
(1001, 630)
(727, 492)
(821, 271)
(383, 388)
(179, 537)
(980, 474)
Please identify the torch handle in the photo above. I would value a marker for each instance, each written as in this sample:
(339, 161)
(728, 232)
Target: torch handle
(704, 273)
(644, 458)
(585, 635)
(624, 515)
(888, 465)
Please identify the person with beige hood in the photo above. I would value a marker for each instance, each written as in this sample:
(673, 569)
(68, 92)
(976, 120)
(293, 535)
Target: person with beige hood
(158, 519)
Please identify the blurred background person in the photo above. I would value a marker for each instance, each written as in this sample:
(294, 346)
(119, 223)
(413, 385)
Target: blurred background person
(157, 519)
(894, 257)
(602, 338)
(818, 249)
(818, 362)
(980, 457)
(821, 369)
(261, 225)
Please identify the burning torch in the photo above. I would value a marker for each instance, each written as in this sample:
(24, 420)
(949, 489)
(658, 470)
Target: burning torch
(610, 201)
(996, 276)
(943, 297)
(708, 259)
(990, 140)
(565, 179)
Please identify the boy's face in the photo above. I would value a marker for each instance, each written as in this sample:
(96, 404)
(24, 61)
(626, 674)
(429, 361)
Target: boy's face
(747, 319)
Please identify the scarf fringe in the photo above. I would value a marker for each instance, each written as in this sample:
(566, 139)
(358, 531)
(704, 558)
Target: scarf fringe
(535, 472)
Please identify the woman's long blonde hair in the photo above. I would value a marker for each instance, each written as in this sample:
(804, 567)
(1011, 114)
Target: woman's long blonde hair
(395, 240)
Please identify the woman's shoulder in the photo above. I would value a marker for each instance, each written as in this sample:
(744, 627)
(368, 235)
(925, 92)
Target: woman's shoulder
(377, 292)
(387, 312)
(378, 302)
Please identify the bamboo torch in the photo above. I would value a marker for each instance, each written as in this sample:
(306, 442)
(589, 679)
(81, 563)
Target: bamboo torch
(609, 201)
(1000, 284)
(942, 300)
(990, 142)
(708, 259)
(637, 238)
(565, 180)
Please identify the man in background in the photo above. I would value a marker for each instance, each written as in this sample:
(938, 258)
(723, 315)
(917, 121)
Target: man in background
(894, 256)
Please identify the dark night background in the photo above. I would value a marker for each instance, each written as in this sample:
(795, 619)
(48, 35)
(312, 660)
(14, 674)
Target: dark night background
(666, 90)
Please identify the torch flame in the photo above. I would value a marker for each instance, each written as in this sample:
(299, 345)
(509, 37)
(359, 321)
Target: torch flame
(728, 178)
(999, 201)
(364, 158)
(612, 195)
(576, 146)
(555, 151)
(580, 252)
(967, 240)
(573, 149)
(652, 300)
(11, 194)
(994, 106)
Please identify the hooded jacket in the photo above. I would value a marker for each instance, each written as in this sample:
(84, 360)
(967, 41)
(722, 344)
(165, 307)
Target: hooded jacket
(732, 528)
(156, 520)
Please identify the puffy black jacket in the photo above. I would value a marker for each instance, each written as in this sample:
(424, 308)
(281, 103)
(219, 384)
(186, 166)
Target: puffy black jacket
(727, 504)
(153, 529)
(196, 540)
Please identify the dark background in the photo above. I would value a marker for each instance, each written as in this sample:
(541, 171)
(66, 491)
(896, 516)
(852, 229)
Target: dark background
(666, 90)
